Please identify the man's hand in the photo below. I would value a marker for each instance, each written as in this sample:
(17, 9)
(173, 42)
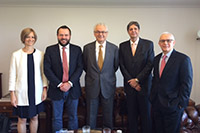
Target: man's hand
(65, 86)
(134, 84)
(138, 88)
(44, 93)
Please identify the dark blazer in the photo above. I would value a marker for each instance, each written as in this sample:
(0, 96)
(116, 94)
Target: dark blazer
(173, 88)
(138, 66)
(54, 71)
(104, 80)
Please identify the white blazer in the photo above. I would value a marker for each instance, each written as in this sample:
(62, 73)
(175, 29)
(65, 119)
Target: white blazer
(18, 76)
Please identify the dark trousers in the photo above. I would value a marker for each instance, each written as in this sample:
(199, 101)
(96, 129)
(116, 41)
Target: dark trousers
(107, 109)
(58, 106)
(138, 107)
(166, 119)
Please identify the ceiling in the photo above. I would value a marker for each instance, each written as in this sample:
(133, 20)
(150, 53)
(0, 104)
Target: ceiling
(103, 3)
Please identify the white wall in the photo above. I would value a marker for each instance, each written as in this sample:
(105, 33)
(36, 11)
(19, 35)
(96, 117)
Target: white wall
(182, 22)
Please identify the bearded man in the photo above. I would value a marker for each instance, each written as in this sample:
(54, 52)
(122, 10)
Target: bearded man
(63, 67)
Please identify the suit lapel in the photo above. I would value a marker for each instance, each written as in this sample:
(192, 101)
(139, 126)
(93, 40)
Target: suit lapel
(139, 47)
(58, 58)
(157, 60)
(70, 57)
(128, 47)
(57, 51)
(107, 55)
(93, 55)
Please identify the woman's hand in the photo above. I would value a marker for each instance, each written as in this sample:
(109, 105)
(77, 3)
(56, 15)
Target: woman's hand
(44, 93)
(13, 99)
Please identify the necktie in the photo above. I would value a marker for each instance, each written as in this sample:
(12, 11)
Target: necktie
(65, 66)
(100, 58)
(133, 48)
(162, 64)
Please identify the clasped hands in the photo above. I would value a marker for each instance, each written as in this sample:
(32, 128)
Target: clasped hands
(65, 86)
(134, 84)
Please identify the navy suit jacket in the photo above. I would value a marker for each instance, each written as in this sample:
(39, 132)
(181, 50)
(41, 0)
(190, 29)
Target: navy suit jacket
(173, 88)
(138, 66)
(54, 71)
(103, 81)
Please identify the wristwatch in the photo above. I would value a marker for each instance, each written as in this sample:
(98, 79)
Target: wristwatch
(136, 80)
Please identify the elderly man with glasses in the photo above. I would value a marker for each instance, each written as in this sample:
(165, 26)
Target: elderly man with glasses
(101, 61)
(171, 86)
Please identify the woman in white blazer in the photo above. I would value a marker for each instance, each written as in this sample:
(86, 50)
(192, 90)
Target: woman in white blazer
(27, 82)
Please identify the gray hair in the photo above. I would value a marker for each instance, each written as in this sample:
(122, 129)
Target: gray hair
(101, 24)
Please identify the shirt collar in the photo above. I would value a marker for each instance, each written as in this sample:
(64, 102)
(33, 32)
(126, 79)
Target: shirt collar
(97, 44)
(168, 54)
(136, 42)
(60, 46)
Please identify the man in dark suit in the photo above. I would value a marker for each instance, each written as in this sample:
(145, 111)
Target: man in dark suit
(100, 64)
(136, 59)
(171, 87)
(63, 67)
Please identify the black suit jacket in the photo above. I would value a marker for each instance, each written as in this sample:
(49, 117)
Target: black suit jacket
(54, 71)
(138, 66)
(173, 88)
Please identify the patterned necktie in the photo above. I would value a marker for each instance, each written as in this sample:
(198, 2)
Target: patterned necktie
(65, 66)
(100, 58)
(133, 48)
(163, 62)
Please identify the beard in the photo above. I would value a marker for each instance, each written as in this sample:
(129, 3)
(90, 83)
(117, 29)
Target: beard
(59, 41)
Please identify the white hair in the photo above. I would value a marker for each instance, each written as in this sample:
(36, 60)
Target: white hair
(101, 24)
(166, 32)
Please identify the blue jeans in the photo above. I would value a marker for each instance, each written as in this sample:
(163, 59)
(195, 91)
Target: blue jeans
(71, 107)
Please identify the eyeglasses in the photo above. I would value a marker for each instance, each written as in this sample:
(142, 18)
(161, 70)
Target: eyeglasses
(167, 40)
(98, 32)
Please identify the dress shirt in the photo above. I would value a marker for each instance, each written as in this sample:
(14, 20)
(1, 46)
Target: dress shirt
(103, 50)
(136, 43)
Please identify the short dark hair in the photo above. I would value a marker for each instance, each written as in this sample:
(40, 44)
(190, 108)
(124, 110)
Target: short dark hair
(64, 27)
(133, 23)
